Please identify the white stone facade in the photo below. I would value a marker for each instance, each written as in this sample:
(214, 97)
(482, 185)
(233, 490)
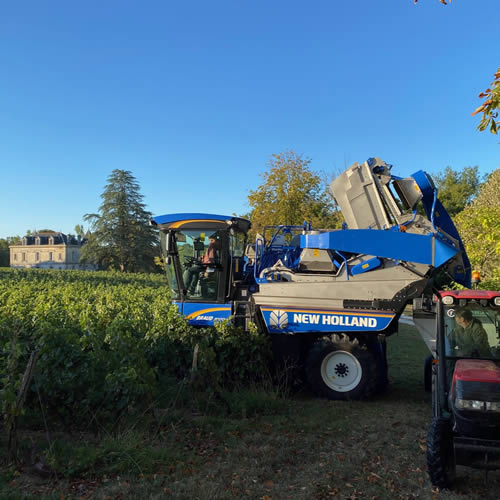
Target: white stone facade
(48, 250)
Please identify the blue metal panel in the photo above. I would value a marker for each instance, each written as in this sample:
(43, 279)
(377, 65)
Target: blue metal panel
(425, 184)
(442, 220)
(295, 320)
(206, 314)
(388, 244)
(366, 266)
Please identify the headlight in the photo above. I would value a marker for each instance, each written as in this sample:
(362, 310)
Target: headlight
(474, 404)
(497, 301)
(448, 300)
(492, 406)
(469, 404)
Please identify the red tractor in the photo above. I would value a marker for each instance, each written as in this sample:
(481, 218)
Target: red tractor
(465, 428)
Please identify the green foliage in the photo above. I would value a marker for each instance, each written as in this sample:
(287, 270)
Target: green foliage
(4, 249)
(456, 189)
(479, 227)
(121, 237)
(4, 253)
(107, 342)
(291, 194)
(490, 106)
(302, 448)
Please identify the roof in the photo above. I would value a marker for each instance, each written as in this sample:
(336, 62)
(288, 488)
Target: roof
(59, 239)
(192, 220)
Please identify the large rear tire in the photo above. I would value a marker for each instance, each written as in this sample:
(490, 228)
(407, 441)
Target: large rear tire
(440, 454)
(340, 368)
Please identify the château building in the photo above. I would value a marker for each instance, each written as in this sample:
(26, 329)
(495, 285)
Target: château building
(48, 250)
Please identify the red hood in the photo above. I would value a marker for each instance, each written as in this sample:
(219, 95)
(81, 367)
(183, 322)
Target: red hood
(470, 294)
(477, 370)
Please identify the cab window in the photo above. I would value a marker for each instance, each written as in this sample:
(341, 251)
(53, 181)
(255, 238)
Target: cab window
(472, 331)
(200, 257)
(237, 243)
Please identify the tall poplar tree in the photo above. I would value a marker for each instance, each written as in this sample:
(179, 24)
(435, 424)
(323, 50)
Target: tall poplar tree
(120, 235)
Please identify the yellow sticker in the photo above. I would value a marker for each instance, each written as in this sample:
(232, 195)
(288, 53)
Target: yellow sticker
(364, 266)
(316, 252)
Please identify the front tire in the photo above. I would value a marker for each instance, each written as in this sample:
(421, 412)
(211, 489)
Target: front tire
(340, 369)
(440, 454)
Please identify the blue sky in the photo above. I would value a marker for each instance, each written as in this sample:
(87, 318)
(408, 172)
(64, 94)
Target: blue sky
(194, 97)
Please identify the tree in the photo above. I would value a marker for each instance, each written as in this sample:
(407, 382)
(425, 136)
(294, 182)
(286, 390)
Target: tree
(4, 253)
(80, 230)
(291, 194)
(479, 227)
(490, 106)
(4, 249)
(120, 236)
(456, 189)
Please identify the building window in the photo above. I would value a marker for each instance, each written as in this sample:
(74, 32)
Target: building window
(15, 256)
(60, 256)
(24, 257)
(37, 256)
(50, 256)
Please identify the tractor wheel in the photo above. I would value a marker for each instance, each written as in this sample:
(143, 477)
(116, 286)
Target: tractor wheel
(440, 454)
(339, 368)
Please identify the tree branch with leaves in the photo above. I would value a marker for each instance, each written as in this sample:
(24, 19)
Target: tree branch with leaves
(490, 106)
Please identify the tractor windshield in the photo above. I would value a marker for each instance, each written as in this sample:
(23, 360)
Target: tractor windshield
(472, 331)
(199, 254)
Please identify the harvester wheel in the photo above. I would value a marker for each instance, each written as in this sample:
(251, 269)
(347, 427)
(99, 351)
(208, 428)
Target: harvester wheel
(339, 368)
(440, 454)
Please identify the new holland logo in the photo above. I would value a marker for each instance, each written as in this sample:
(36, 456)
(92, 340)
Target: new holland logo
(278, 319)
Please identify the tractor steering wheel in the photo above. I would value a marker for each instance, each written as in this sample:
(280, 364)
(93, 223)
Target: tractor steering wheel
(190, 261)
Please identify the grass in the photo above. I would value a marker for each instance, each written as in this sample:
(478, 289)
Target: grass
(268, 447)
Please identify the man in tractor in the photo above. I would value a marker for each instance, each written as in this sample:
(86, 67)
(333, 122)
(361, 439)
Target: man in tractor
(468, 338)
(192, 274)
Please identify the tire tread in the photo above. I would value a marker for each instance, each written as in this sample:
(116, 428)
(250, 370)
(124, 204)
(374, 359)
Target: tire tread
(438, 441)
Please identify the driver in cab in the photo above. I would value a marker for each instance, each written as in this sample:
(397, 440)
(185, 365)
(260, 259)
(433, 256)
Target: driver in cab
(468, 338)
(209, 258)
